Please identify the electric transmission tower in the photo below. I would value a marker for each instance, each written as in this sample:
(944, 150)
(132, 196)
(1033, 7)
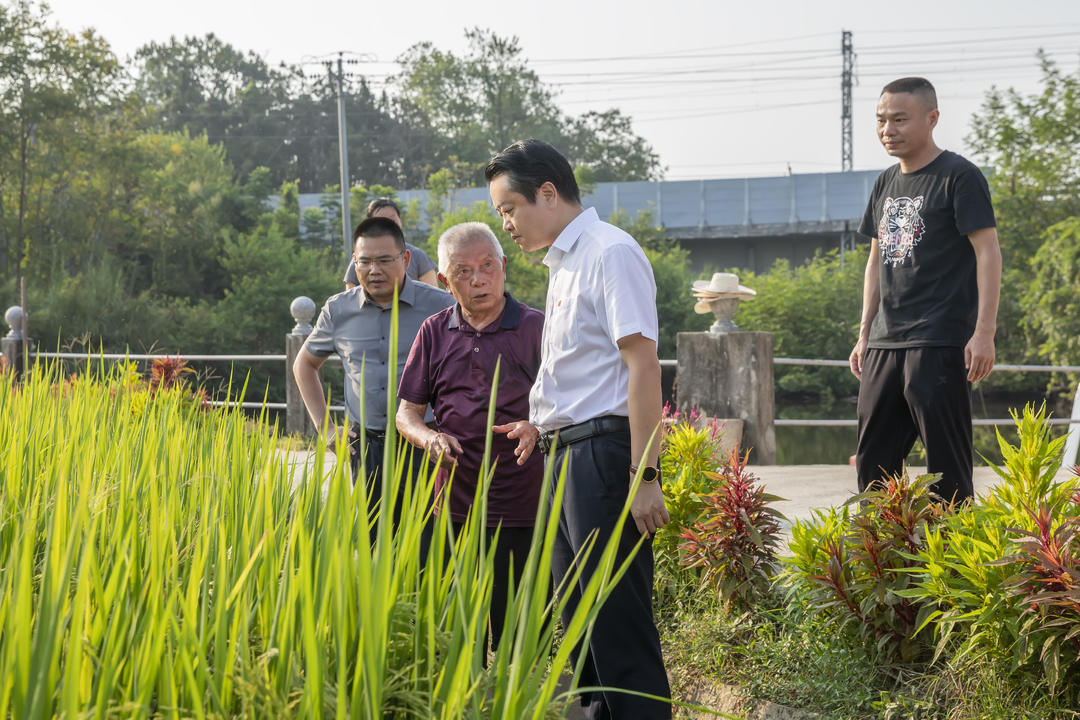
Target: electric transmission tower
(846, 153)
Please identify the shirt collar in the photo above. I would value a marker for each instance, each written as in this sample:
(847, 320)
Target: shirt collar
(570, 234)
(511, 314)
(406, 295)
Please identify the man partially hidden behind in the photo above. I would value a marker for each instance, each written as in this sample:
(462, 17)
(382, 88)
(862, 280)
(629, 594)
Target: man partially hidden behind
(451, 368)
(598, 389)
(930, 298)
(420, 266)
(355, 324)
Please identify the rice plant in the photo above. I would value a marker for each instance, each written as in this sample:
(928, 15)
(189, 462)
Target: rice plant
(162, 559)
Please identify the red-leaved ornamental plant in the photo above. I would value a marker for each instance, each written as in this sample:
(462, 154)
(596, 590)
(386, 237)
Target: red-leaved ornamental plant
(1048, 586)
(861, 571)
(167, 372)
(736, 537)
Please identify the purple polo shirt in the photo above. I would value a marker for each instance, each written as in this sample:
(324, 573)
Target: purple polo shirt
(450, 367)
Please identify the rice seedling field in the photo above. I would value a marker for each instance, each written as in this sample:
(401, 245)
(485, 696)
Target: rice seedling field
(159, 558)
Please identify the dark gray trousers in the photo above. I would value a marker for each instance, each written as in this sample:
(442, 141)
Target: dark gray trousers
(624, 649)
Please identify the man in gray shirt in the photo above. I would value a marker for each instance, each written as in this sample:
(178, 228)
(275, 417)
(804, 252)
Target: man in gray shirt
(355, 324)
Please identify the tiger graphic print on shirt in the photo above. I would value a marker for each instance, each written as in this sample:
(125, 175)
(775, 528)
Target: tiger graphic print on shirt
(901, 228)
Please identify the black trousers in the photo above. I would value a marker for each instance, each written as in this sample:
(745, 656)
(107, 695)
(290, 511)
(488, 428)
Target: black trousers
(624, 649)
(414, 464)
(510, 554)
(916, 392)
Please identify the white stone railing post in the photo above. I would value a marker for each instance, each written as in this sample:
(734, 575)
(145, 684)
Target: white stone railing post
(297, 421)
(15, 345)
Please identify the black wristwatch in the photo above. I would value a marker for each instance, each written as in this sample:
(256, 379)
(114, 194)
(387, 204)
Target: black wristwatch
(649, 474)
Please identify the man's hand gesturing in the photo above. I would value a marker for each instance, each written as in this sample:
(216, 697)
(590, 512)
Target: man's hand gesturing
(525, 433)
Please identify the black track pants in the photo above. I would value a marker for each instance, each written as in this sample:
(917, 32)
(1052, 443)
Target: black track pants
(916, 392)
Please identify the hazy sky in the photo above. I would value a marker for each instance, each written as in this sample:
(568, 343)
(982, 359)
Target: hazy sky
(719, 88)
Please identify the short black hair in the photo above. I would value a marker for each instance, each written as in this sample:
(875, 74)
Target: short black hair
(917, 86)
(380, 227)
(528, 164)
(379, 203)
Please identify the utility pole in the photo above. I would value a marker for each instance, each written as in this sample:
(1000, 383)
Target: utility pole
(338, 82)
(846, 151)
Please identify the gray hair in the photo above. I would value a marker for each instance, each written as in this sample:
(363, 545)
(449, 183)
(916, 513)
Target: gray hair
(465, 231)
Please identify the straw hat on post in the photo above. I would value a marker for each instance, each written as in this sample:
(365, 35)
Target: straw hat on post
(720, 296)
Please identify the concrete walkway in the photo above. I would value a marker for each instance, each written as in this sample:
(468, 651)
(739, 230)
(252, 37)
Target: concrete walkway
(806, 487)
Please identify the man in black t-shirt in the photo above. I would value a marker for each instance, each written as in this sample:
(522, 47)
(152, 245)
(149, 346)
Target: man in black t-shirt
(930, 297)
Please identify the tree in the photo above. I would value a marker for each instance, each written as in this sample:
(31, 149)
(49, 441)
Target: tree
(273, 117)
(481, 102)
(605, 143)
(1052, 299)
(201, 84)
(176, 199)
(1031, 144)
(59, 100)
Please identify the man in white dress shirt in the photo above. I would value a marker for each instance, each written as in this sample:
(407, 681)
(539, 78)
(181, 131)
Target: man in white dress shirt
(597, 399)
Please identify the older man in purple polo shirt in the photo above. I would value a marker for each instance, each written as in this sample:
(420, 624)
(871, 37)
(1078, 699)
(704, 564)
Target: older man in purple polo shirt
(451, 367)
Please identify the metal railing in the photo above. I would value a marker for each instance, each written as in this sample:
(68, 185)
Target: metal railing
(194, 358)
(796, 422)
(303, 314)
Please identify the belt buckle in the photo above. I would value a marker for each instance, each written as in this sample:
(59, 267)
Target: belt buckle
(547, 440)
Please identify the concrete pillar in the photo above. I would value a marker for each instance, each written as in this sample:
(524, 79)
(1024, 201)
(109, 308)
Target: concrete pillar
(730, 375)
(297, 421)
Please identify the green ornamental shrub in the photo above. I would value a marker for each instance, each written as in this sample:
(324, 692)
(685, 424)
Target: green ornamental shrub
(689, 450)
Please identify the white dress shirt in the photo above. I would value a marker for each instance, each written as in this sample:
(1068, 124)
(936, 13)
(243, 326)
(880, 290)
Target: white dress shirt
(600, 290)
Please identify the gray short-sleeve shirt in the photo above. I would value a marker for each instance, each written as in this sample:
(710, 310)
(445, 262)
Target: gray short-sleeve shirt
(358, 330)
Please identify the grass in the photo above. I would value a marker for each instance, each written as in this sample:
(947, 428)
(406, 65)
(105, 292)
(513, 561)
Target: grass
(786, 654)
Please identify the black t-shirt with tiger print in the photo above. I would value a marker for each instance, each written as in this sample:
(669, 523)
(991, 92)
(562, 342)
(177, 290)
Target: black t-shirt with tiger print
(929, 291)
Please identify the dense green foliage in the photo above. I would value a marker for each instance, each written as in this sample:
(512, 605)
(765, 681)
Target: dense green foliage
(812, 311)
(1031, 147)
(477, 103)
(152, 204)
(894, 607)
(1052, 298)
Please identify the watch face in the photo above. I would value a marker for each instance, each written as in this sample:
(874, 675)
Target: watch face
(649, 474)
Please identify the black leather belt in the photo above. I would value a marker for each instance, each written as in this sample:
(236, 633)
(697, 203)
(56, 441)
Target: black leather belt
(377, 434)
(583, 431)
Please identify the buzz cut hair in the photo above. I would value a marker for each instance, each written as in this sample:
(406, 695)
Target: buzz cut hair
(462, 232)
(917, 86)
